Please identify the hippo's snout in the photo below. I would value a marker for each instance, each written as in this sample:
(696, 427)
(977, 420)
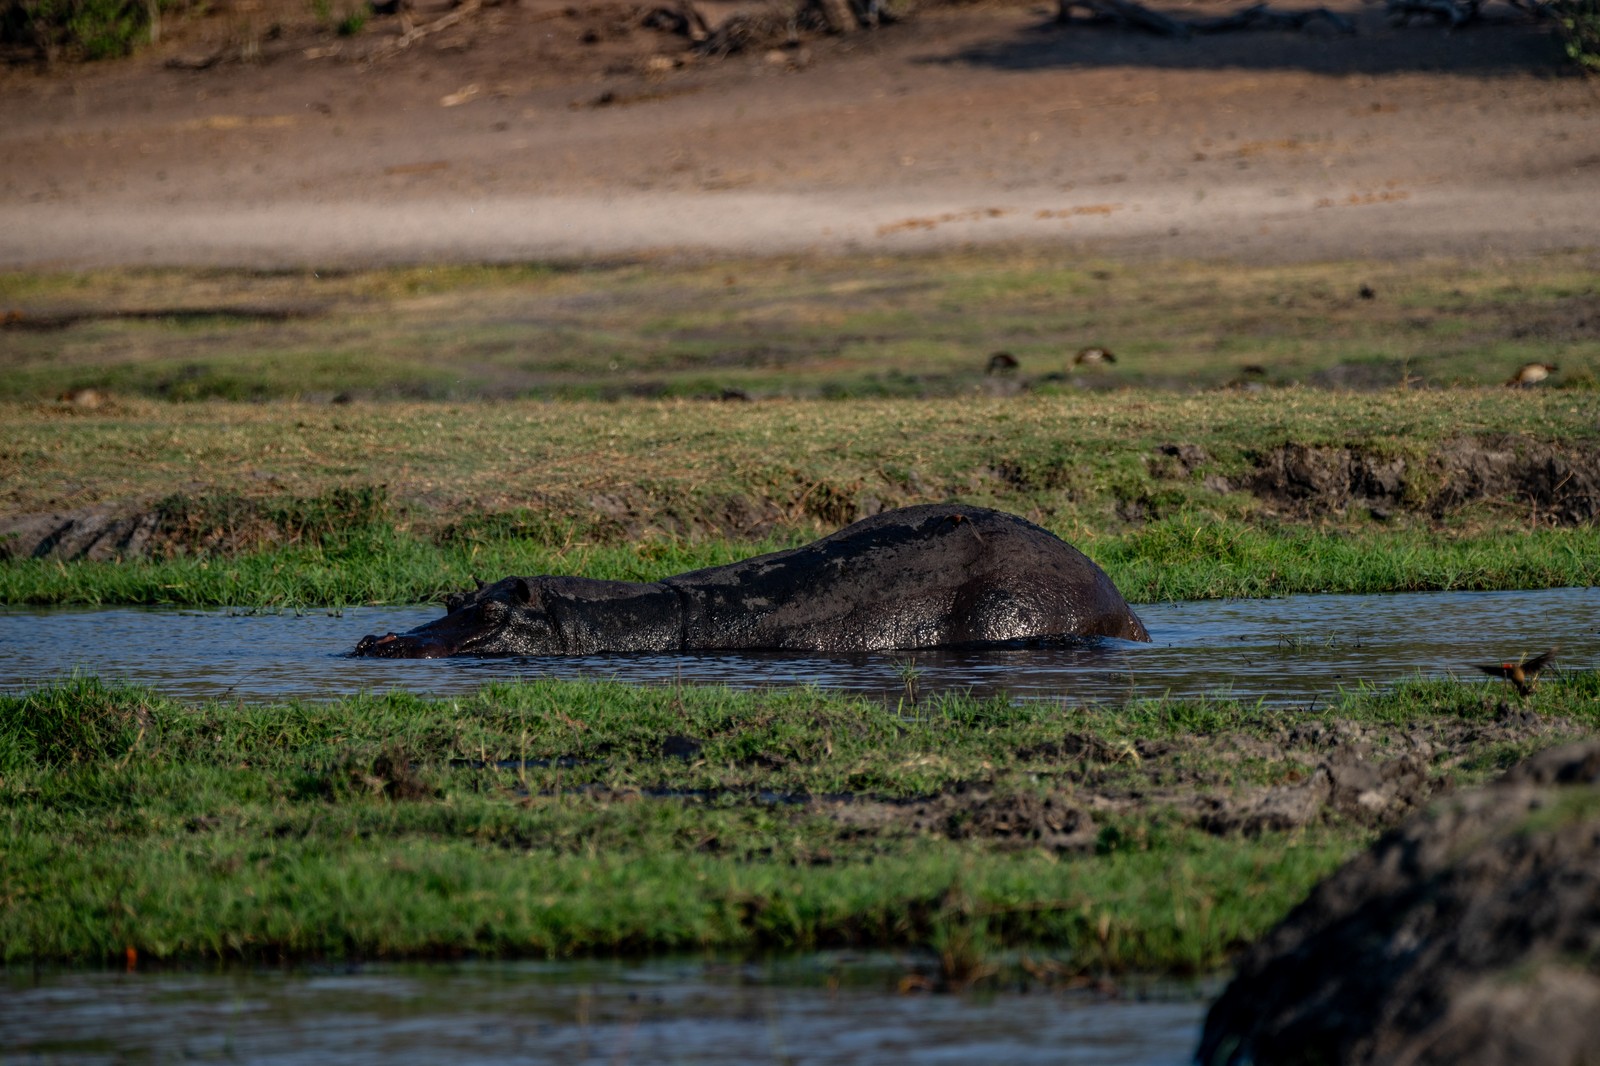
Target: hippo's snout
(394, 646)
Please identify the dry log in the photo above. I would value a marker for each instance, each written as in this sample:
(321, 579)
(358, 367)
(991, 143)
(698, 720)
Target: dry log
(412, 33)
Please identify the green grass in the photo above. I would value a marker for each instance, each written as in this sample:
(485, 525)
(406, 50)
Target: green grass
(381, 825)
(1180, 559)
(1580, 26)
(1078, 456)
(77, 29)
(863, 327)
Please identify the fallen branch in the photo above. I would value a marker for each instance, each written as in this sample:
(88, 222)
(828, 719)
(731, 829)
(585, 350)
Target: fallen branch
(412, 34)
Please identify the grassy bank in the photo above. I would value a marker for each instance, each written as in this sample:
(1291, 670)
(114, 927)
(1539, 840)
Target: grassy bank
(1178, 496)
(563, 818)
(623, 471)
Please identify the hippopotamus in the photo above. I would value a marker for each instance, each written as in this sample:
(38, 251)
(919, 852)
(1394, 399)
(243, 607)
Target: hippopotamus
(917, 577)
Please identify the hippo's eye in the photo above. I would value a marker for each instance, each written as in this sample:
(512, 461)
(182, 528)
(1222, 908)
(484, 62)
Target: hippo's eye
(494, 611)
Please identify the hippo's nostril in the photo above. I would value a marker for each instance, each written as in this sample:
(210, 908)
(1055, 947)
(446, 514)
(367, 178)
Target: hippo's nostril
(376, 646)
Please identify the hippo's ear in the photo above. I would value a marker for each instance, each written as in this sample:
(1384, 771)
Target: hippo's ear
(522, 590)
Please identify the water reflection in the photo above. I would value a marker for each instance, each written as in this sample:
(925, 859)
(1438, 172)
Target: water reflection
(578, 1013)
(1289, 650)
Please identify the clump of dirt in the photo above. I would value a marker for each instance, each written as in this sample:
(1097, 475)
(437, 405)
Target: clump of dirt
(1049, 820)
(1333, 770)
(101, 533)
(1327, 478)
(631, 516)
(1363, 789)
(1178, 461)
(387, 771)
(1467, 935)
(1072, 795)
(1559, 482)
(1086, 748)
(1563, 482)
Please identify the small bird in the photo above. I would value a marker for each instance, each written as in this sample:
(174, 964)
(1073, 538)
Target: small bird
(87, 398)
(1367, 292)
(1093, 355)
(1002, 363)
(1531, 374)
(1521, 674)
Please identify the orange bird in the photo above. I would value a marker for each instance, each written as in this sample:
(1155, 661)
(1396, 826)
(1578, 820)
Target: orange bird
(1521, 674)
(1531, 374)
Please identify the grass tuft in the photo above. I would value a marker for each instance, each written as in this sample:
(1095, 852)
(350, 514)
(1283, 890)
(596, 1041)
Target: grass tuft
(82, 722)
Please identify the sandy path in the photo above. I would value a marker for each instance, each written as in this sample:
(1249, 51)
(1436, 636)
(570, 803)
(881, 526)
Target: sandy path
(964, 127)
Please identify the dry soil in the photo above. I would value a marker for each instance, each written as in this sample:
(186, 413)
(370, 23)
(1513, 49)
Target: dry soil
(555, 130)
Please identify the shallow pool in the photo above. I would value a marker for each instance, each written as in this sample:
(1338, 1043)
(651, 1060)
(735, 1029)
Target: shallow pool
(816, 1009)
(1289, 650)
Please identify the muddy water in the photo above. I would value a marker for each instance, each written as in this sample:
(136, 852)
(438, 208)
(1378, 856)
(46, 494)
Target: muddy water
(579, 1013)
(1289, 650)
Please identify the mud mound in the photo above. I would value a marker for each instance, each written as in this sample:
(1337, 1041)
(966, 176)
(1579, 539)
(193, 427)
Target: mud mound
(100, 533)
(219, 524)
(1352, 773)
(1559, 482)
(1022, 819)
(1468, 935)
(1362, 789)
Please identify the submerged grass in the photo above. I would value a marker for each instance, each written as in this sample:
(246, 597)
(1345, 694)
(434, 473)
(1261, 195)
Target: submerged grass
(557, 818)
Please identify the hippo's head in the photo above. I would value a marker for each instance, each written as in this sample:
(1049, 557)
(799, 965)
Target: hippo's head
(505, 618)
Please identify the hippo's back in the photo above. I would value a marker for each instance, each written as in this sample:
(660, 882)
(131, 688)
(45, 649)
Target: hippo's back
(918, 577)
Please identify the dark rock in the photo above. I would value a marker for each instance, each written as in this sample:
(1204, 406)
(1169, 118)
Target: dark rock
(1469, 935)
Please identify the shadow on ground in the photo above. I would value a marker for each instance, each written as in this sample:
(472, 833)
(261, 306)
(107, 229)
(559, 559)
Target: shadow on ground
(1502, 43)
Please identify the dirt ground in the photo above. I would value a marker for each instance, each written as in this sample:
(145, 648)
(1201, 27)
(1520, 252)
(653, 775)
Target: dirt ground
(259, 137)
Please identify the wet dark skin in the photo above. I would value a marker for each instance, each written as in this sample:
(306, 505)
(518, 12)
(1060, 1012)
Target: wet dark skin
(919, 577)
